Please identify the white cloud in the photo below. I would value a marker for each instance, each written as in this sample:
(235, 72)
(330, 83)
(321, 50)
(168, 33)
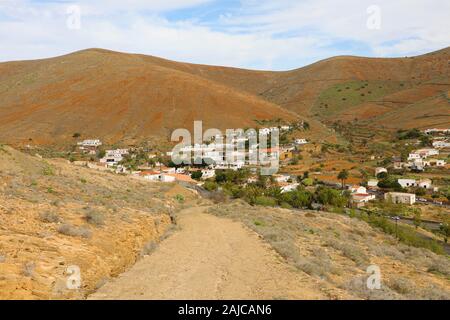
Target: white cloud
(259, 34)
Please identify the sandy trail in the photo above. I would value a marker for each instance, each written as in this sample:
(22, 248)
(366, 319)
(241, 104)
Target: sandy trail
(211, 258)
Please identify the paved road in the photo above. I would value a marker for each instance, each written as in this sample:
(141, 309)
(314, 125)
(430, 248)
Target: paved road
(211, 258)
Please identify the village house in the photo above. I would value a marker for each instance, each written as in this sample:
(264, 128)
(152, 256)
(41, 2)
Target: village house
(150, 175)
(427, 152)
(407, 183)
(434, 163)
(400, 198)
(410, 183)
(360, 199)
(89, 146)
(282, 178)
(441, 144)
(434, 130)
(425, 184)
(358, 189)
(114, 157)
(157, 176)
(300, 142)
(208, 173)
(414, 156)
(372, 183)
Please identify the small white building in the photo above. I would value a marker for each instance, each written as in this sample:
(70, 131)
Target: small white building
(400, 198)
(407, 183)
(358, 189)
(360, 199)
(300, 142)
(425, 184)
(282, 178)
(414, 156)
(113, 157)
(428, 152)
(372, 183)
(208, 173)
(441, 144)
(90, 143)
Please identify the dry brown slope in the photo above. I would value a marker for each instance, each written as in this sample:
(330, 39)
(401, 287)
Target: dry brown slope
(54, 215)
(116, 96)
(299, 90)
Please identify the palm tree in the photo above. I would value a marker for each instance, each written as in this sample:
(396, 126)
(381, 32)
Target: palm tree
(343, 175)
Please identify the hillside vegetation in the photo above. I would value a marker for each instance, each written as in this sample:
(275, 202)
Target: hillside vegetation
(338, 249)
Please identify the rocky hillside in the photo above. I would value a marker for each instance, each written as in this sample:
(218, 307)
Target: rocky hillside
(54, 215)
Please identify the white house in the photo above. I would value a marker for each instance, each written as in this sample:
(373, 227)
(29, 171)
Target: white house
(425, 183)
(360, 199)
(398, 197)
(372, 183)
(435, 163)
(113, 157)
(407, 183)
(282, 178)
(167, 178)
(208, 173)
(150, 175)
(428, 152)
(380, 170)
(90, 143)
(301, 141)
(157, 176)
(441, 144)
(180, 171)
(414, 156)
(358, 189)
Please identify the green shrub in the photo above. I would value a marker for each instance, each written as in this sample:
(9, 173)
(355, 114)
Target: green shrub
(265, 201)
(210, 186)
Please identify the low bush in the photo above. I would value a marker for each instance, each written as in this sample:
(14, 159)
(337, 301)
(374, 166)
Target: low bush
(95, 218)
(49, 217)
(73, 231)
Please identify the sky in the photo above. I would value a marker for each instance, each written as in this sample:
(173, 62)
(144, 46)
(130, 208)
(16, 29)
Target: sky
(254, 34)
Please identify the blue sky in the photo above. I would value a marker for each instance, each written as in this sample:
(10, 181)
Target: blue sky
(256, 34)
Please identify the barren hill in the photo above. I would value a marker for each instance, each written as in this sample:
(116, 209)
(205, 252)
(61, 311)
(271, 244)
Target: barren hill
(126, 97)
(116, 97)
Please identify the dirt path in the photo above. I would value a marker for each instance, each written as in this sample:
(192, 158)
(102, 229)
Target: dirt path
(211, 258)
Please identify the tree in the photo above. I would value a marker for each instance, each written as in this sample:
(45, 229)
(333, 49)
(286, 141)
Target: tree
(343, 176)
(76, 135)
(196, 175)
